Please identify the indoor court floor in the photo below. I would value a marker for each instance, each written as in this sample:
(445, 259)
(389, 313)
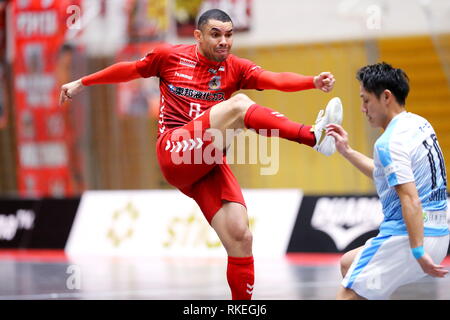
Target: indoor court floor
(46, 275)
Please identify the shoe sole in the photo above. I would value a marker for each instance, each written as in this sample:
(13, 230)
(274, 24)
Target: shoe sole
(333, 112)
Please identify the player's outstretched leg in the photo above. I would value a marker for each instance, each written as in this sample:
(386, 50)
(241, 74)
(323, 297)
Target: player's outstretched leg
(241, 112)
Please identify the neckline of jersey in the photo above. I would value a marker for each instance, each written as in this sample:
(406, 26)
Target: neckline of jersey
(201, 58)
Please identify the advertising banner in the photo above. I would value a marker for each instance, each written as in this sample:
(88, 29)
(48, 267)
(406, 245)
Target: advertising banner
(17, 219)
(42, 134)
(167, 223)
(36, 223)
(336, 223)
(3, 91)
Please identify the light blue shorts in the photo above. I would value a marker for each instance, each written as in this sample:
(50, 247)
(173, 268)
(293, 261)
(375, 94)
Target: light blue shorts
(386, 263)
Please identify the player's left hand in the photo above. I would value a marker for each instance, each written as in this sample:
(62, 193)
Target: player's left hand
(324, 81)
(428, 266)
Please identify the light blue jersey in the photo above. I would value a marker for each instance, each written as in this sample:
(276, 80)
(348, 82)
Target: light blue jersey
(408, 151)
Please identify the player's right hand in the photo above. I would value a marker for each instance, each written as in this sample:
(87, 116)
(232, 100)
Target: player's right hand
(428, 266)
(69, 90)
(340, 136)
(324, 81)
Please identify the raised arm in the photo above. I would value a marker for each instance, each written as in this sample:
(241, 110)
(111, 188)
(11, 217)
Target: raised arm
(359, 160)
(290, 82)
(119, 72)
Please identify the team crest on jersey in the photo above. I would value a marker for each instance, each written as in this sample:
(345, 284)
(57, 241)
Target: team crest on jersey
(214, 71)
(214, 83)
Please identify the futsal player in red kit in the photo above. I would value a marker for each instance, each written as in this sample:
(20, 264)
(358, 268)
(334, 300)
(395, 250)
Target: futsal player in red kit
(197, 109)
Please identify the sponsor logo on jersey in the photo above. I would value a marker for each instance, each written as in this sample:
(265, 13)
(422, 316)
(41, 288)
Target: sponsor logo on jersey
(187, 63)
(182, 75)
(214, 83)
(195, 94)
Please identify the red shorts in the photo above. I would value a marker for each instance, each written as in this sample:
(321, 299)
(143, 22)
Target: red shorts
(190, 162)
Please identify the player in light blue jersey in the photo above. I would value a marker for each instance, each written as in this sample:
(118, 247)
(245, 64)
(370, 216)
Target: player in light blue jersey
(408, 169)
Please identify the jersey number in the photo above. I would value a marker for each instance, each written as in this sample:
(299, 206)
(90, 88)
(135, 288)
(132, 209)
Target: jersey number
(431, 160)
(195, 110)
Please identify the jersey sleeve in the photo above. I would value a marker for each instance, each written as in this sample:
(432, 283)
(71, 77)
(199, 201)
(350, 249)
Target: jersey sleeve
(151, 64)
(396, 161)
(248, 73)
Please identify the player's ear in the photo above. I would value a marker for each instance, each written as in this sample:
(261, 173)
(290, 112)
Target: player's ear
(387, 95)
(198, 34)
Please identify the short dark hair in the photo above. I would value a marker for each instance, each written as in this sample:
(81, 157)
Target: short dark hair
(214, 14)
(378, 77)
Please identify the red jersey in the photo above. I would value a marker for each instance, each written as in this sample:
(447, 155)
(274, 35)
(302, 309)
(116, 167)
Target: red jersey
(190, 83)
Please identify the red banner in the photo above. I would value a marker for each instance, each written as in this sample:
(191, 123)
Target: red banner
(3, 91)
(42, 135)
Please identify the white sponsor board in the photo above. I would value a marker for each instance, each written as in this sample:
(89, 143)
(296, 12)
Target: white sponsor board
(166, 222)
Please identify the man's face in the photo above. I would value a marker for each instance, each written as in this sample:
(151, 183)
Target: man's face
(215, 39)
(374, 108)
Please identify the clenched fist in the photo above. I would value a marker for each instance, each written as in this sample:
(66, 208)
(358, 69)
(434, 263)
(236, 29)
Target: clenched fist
(69, 90)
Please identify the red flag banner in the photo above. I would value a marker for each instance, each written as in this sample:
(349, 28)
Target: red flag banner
(3, 91)
(42, 136)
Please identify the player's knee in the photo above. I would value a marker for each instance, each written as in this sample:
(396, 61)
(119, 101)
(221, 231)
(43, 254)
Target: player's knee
(240, 103)
(247, 238)
(247, 241)
(243, 235)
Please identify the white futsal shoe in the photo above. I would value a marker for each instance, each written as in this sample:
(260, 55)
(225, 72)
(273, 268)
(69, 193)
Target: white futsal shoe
(332, 114)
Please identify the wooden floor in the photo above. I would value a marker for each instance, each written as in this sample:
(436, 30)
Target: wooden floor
(42, 275)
